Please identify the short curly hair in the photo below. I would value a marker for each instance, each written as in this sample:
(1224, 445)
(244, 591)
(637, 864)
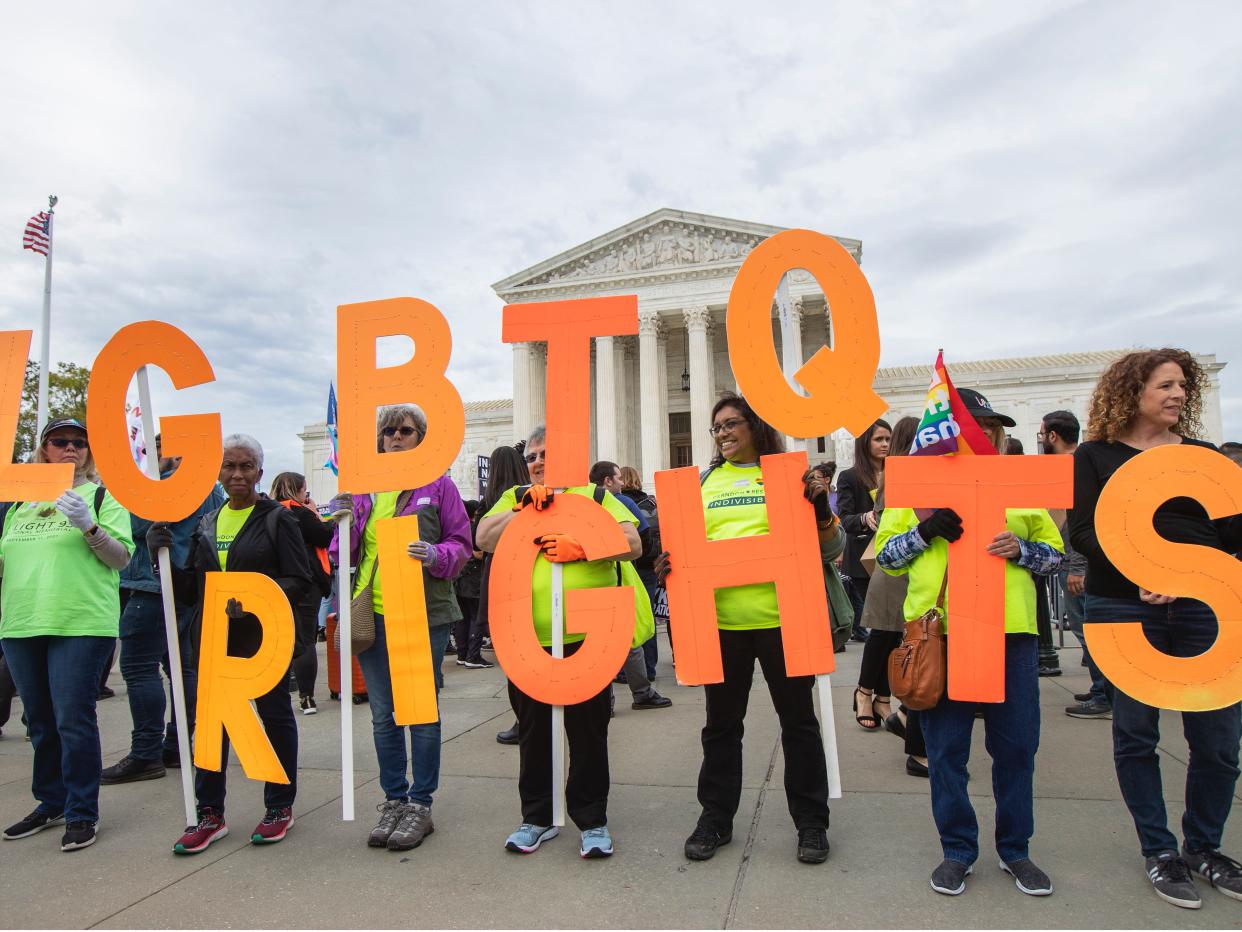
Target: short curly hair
(1114, 403)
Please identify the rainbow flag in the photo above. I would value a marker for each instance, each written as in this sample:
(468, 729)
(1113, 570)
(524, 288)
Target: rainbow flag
(946, 426)
(333, 462)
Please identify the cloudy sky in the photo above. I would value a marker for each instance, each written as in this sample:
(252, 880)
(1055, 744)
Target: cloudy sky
(1025, 178)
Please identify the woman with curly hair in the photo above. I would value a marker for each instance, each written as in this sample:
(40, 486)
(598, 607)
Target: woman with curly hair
(1148, 399)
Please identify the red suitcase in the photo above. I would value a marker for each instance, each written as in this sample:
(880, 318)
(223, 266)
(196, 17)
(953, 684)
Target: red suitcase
(334, 668)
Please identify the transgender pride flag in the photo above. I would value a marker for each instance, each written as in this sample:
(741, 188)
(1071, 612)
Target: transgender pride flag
(946, 426)
(333, 462)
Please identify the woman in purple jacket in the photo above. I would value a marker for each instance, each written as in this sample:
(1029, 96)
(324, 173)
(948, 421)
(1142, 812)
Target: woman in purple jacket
(443, 547)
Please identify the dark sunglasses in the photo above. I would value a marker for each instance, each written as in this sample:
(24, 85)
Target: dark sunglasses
(404, 430)
(78, 443)
(532, 457)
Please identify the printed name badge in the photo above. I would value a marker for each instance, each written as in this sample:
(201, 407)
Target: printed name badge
(425, 500)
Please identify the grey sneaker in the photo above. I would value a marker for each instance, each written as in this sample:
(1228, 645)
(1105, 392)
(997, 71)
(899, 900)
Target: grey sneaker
(1223, 873)
(415, 825)
(390, 814)
(1028, 878)
(1092, 708)
(1170, 878)
(950, 877)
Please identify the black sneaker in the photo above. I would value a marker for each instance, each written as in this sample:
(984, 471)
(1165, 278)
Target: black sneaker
(1170, 878)
(77, 835)
(105, 692)
(1028, 878)
(131, 770)
(703, 842)
(508, 736)
(308, 706)
(478, 663)
(812, 845)
(1222, 872)
(172, 760)
(33, 824)
(1082, 697)
(1046, 669)
(1092, 708)
(950, 877)
(653, 700)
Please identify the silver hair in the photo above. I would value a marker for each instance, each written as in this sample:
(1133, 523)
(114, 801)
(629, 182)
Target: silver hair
(538, 434)
(247, 443)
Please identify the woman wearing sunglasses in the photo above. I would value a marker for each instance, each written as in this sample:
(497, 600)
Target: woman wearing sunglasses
(443, 546)
(61, 614)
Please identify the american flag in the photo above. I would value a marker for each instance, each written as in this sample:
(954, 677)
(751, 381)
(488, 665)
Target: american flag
(38, 233)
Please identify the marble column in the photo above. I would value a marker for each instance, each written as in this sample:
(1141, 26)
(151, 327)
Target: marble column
(538, 385)
(651, 380)
(606, 440)
(625, 388)
(791, 357)
(523, 399)
(699, 329)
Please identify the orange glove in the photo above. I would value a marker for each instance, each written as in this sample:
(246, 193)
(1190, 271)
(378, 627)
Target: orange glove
(538, 495)
(560, 548)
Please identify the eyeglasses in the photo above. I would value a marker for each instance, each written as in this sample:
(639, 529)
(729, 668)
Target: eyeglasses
(732, 424)
(404, 430)
(78, 443)
(537, 455)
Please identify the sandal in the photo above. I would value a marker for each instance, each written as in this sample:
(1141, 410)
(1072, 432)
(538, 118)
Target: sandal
(866, 722)
(885, 701)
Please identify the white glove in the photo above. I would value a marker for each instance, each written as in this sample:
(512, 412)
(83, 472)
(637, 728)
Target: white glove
(75, 509)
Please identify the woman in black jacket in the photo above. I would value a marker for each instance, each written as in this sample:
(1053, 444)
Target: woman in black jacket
(857, 488)
(255, 535)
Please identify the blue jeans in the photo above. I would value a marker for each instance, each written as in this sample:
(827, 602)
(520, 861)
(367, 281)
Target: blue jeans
(424, 751)
(144, 648)
(1011, 735)
(1183, 628)
(58, 680)
(1075, 614)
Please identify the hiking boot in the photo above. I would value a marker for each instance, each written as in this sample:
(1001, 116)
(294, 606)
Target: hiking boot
(596, 843)
(812, 845)
(703, 842)
(1222, 872)
(274, 826)
(390, 814)
(415, 825)
(210, 828)
(1092, 708)
(308, 705)
(508, 736)
(34, 823)
(950, 877)
(1027, 877)
(1170, 878)
(77, 835)
(528, 838)
(653, 700)
(130, 770)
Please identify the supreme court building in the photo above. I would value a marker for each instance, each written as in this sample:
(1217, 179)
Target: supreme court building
(652, 394)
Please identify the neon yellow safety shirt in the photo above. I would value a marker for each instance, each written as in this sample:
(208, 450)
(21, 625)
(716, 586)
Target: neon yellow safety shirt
(228, 526)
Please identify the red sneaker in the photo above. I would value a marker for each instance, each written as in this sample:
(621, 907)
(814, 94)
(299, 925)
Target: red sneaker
(210, 828)
(275, 825)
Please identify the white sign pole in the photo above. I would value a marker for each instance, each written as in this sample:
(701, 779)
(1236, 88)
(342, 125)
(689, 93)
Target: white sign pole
(558, 711)
(171, 632)
(45, 337)
(344, 630)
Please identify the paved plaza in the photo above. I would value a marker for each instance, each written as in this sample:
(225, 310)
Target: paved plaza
(323, 876)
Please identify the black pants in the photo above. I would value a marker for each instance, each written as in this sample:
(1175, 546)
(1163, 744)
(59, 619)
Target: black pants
(857, 591)
(915, 745)
(276, 713)
(720, 778)
(306, 657)
(586, 728)
(8, 689)
(1043, 621)
(873, 674)
(468, 633)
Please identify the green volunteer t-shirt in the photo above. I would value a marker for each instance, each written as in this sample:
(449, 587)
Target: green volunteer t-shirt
(228, 526)
(385, 506)
(53, 583)
(734, 505)
(581, 574)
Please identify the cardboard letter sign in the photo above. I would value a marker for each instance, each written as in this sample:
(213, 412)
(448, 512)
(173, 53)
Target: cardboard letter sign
(226, 684)
(606, 616)
(1123, 523)
(363, 387)
(22, 482)
(838, 380)
(979, 489)
(568, 326)
(194, 437)
(788, 555)
(405, 623)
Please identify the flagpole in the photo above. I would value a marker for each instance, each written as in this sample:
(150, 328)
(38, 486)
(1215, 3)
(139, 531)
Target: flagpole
(45, 338)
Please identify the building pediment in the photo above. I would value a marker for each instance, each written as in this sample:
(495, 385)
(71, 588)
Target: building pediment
(664, 245)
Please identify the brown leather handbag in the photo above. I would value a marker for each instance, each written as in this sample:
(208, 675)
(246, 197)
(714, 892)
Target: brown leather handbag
(916, 669)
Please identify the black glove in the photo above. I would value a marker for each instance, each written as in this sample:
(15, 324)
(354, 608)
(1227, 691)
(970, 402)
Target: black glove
(943, 522)
(815, 491)
(661, 567)
(159, 535)
(234, 610)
